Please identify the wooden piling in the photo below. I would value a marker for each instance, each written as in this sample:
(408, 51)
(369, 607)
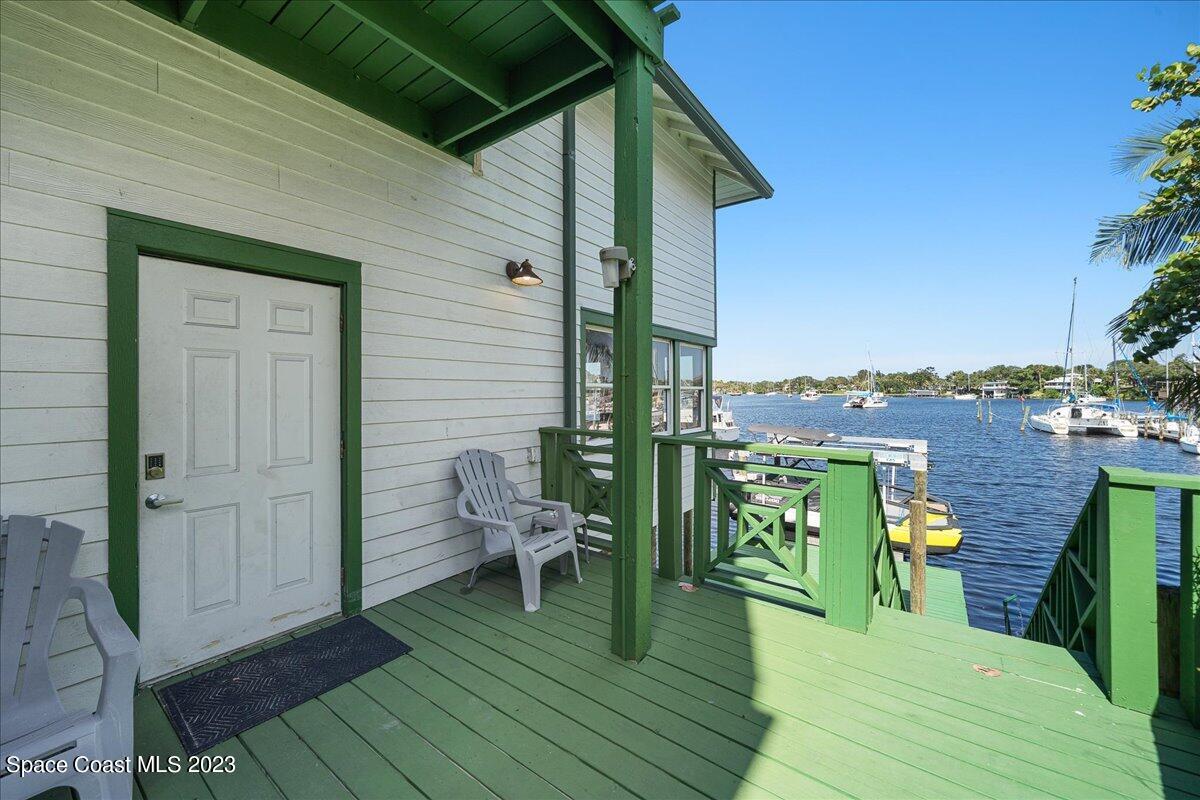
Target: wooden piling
(917, 543)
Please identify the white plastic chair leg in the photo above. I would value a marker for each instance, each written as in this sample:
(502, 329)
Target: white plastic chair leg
(531, 582)
(575, 558)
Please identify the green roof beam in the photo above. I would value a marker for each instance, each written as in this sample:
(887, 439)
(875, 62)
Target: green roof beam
(638, 22)
(584, 88)
(435, 44)
(589, 23)
(557, 66)
(190, 11)
(259, 41)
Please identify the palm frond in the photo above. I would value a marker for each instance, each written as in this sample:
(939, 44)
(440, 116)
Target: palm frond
(1185, 395)
(1141, 154)
(1135, 240)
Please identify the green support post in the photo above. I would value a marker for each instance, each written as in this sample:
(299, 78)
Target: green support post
(1189, 603)
(846, 558)
(1127, 601)
(701, 518)
(633, 456)
(670, 510)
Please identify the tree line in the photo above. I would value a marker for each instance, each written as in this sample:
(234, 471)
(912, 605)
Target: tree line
(1029, 380)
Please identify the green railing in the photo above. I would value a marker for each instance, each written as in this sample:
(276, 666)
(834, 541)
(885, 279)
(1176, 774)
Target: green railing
(1101, 598)
(749, 549)
(577, 469)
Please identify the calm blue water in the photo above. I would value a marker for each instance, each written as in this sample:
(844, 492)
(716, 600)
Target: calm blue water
(1017, 494)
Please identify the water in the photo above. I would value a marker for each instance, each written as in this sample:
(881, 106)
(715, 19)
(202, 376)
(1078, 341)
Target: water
(1016, 494)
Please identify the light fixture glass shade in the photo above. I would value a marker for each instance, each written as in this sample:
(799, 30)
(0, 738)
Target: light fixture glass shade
(611, 262)
(522, 274)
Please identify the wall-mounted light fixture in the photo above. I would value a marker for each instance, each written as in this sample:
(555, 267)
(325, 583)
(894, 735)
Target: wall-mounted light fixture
(615, 266)
(522, 274)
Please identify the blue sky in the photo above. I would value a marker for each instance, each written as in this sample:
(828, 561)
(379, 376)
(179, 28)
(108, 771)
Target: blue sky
(938, 169)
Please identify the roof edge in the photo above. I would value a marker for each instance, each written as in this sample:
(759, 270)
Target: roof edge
(690, 104)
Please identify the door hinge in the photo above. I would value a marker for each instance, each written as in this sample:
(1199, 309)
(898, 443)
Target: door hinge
(342, 449)
(341, 324)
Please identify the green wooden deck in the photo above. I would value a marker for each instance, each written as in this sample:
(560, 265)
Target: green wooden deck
(736, 698)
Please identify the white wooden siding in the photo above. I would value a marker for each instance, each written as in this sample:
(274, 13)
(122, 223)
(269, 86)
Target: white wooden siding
(105, 105)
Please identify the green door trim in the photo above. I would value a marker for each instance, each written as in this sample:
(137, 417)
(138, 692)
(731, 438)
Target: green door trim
(133, 235)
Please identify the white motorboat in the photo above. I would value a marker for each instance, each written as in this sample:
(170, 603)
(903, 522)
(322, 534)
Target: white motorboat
(1189, 442)
(811, 395)
(723, 426)
(1084, 419)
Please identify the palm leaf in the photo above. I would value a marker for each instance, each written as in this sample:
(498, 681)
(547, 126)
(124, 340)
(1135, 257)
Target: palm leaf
(1135, 240)
(1141, 154)
(1185, 395)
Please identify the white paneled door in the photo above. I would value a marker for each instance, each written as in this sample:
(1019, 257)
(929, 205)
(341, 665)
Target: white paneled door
(240, 537)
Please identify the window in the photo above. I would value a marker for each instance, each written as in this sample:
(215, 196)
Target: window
(693, 411)
(598, 379)
(660, 391)
(687, 413)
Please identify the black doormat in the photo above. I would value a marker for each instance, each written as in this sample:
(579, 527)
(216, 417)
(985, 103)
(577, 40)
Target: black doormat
(209, 708)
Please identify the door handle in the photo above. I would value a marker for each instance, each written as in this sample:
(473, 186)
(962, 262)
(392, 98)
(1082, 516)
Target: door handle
(160, 500)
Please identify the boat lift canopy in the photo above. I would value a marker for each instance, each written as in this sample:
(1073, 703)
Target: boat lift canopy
(908, 453)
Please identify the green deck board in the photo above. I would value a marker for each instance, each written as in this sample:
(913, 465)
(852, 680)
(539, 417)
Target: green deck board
(508, 636)
(489, 764)
(153, 735)
(846, 754)
(637, 747)
(545, 741)
(819, 770)
(738, 697)
(1064, 713)
(295, 768)
(433, 772)
(356, 764)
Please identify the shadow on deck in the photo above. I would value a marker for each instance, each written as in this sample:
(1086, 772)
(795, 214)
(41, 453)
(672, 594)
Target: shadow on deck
(737, 698)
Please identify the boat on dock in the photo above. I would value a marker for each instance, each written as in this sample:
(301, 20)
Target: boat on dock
(943, 532)
(723, 426)
(1189, 442)
(1075, 415)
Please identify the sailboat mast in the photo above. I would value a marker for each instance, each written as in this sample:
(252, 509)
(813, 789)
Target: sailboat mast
(1068, 379)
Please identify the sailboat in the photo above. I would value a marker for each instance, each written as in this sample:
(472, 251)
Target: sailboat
(1075, 416)
(965, 394)
(870, 398)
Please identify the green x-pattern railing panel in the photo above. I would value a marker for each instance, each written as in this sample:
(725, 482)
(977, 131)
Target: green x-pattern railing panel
(1065, 614)
(887, 589)
(763, 524)
(1101, 597)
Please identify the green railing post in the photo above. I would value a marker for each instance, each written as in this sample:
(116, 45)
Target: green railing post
(1127, 602)
(549, 465)
(1189, 603)
(847, 565)
(701, 518)
(670, 510)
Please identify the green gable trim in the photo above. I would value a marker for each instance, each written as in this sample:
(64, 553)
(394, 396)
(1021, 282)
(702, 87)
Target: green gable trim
(131, 236)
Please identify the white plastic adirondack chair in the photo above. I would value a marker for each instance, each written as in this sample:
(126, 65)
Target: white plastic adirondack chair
(485, 501)
(35, 725)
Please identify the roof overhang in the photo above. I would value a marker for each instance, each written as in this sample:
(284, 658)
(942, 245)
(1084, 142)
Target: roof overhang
(458, 76)
(737, 179)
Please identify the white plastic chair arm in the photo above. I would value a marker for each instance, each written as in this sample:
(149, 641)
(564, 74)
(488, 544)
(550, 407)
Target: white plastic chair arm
(562, 511)
(119, 648)
(486, 522)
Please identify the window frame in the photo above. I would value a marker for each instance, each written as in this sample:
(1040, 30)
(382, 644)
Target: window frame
(591, 318)
(705, 388)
